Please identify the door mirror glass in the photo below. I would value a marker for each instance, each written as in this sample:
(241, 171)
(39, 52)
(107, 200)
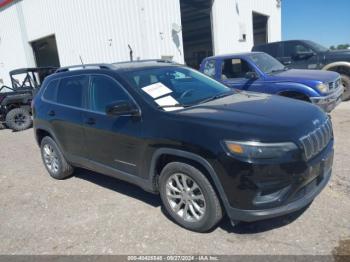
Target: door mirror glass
(286, 61)
(300, 55)
(251, 75)
(122, 108)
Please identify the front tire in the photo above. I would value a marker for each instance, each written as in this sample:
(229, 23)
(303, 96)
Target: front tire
(18, 119)
(53, 159)
(346, 83)
(189, 198)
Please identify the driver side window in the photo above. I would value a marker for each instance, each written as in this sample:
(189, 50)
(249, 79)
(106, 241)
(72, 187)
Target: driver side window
(235, 68)
(104, 91)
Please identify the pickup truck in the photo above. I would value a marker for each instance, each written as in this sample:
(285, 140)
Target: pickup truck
(303, 54)
(260, 72)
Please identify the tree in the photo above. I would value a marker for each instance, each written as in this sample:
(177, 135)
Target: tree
(339, 47)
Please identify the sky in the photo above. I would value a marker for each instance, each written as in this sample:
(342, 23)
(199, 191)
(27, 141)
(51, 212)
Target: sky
(324, 21)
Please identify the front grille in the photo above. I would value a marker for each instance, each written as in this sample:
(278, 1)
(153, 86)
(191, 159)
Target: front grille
(334, 85)
(314, 142)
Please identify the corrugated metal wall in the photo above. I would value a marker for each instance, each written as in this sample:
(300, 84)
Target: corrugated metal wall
(231, 17)
(99, 31)
(105, 28)
(12, 53)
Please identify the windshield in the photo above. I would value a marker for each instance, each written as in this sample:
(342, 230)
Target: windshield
(267, 63)
(173, 88)
(317, 47)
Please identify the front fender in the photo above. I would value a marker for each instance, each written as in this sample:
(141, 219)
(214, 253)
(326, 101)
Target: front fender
(193, 157)
(335, 64)
(296, 87)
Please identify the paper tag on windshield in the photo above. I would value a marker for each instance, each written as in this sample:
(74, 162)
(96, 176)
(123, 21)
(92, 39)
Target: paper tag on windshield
(157, 90)
(168, 103)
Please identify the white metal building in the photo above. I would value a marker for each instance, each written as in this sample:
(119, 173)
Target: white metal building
(59, 32)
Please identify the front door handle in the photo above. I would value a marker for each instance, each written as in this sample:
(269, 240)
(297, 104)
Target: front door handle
(90, 121)
(51, 113)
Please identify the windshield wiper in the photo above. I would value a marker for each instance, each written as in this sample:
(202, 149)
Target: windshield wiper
(176, 105)
(279, 70)
(215, 97)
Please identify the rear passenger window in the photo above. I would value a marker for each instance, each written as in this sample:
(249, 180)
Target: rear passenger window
(105, 91)
(71, 90)
(51, 91)
(272, 49)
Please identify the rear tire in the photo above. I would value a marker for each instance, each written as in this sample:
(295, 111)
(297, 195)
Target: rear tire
(346, 83)
(53, 159)
(189, 198)
(18, 119)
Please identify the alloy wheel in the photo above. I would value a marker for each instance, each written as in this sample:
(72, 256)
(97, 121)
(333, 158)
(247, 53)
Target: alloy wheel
(185, 197)
(51, 159)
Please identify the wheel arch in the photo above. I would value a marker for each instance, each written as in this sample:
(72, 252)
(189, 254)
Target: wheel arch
(295, 94)
(16, 101)
(339, 67)
(40, 134)
(163, 156)
(43, 131)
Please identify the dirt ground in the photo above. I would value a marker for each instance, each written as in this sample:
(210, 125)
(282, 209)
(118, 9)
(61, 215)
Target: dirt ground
(94, 214)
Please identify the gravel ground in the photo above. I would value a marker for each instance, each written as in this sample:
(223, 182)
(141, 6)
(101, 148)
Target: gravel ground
(94, 214)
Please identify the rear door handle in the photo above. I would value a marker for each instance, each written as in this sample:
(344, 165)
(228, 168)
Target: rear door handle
(51, 113)
(90, 121)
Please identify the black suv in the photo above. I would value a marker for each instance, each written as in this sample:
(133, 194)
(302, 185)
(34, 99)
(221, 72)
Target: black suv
(303, 54)
(207, 149)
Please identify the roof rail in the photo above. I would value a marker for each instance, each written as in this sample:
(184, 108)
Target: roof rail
(145, 61)
(82, 67)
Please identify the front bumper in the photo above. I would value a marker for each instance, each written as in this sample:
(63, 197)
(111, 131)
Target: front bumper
(304, 186)
(255, 215)
(329, 102)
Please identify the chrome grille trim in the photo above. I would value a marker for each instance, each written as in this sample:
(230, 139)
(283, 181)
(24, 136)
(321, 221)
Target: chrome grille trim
(314, 142)
(334, 84)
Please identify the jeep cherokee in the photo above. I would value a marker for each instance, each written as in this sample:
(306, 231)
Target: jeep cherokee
(205, 148)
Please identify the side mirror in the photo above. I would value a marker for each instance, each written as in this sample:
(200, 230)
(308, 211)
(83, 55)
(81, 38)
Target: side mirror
(286, 61)
(251, 75)
(122, 108)
(303, 55)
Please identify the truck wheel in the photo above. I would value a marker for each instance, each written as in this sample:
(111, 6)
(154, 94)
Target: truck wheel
(346, 83)
(53, 159)
(189, 198)
(18, 119)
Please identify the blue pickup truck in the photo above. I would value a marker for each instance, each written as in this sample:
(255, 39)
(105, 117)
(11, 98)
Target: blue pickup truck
(260, 72)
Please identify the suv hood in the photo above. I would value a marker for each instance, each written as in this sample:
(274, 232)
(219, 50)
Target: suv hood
(305, 76)
(258, 116)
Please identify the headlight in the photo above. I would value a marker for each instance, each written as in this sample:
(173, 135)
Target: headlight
(256, 150)
(323, 88)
